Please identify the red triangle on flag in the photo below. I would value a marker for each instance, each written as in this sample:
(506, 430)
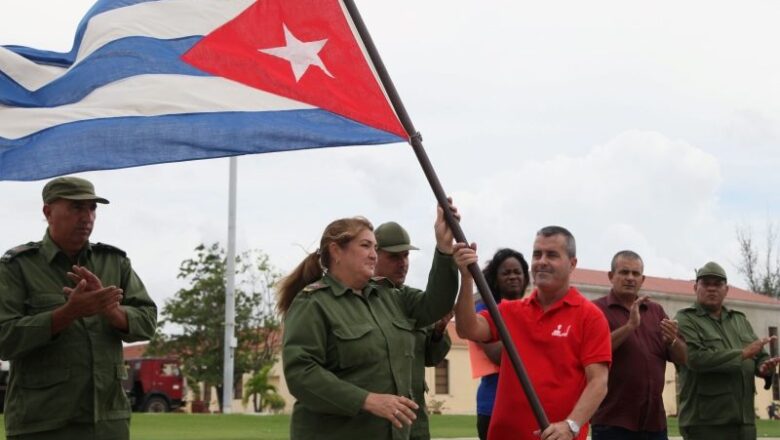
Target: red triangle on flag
(302, 50)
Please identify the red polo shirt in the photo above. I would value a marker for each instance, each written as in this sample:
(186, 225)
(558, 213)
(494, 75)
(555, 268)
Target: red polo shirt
(555, 347)
(637, 377)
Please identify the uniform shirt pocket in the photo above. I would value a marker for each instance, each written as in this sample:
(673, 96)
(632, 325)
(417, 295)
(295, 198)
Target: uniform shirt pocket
(44, 302)
(715, 399)
(406, 332)
(43, 379)
(355, 345)
(44, 394)
(713, 343)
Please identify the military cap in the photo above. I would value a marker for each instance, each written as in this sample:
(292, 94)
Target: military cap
(711, 269)
(391, 237)
(71, 188)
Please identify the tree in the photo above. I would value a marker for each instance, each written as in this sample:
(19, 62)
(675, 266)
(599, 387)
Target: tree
(258, 388)
(193, 320)
(761, 274)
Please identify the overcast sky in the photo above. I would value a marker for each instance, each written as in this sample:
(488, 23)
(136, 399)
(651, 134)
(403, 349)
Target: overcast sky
(650, 126)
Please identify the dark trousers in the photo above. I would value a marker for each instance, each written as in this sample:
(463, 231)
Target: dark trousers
(719, 432)
(483, 423)
(604, 432)
(106, 430)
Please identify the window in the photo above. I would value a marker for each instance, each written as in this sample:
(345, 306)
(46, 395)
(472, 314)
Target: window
(170, 369)
(443, 377)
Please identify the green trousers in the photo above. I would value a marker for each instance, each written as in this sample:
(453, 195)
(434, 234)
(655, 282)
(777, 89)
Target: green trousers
(106, 430)
(719, 432)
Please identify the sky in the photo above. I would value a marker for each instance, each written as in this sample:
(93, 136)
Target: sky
(647, 126)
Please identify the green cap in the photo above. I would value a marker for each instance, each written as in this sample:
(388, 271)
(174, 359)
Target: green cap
(71, 188)
(391, 237)
(711, 269)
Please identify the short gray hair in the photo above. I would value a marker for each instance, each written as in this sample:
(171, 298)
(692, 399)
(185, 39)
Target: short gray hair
(571, 244)
(628, 255)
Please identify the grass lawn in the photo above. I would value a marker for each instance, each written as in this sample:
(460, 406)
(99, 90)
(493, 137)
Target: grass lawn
(249, 427)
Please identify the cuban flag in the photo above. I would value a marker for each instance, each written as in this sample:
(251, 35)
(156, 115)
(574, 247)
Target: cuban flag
(153, 81)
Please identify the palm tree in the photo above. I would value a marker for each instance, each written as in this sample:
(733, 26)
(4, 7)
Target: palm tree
(258, 388)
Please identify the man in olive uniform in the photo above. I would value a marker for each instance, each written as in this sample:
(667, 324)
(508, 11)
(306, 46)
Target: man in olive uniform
(431, 343)
(724, 355)
(66, 305)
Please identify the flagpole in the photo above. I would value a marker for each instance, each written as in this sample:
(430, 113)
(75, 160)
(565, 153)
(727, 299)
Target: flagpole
(441, 197)
(230, 297)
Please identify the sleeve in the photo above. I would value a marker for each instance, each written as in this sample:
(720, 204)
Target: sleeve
(596, 338)
(19, 333)
(436, 351)
(304, 350)
(762, 355)
(485, 313)
(141, 310)
(440, 293)
(703, 357)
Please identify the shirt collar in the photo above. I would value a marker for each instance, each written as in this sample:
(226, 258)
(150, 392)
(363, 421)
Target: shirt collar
(572, 298)
(701, 311)
(340, 289)
(49, 248)
(612, 300)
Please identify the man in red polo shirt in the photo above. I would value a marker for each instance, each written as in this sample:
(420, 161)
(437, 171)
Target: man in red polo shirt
(643, 339)
(562, 338)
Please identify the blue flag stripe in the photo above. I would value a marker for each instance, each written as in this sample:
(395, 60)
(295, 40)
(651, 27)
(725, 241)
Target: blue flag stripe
(65, 59)
(115, 61)
(133, 141)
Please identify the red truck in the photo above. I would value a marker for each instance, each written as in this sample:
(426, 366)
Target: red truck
(154, 384)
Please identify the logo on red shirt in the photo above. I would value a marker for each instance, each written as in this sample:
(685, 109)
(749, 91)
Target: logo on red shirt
(559, 331)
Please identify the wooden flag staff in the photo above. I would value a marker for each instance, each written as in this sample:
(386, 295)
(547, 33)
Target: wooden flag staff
(441, 197)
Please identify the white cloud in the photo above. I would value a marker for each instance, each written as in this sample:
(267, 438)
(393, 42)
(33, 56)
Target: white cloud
(639, 126)
(640, 190)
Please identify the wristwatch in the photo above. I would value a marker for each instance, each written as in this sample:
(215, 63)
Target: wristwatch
(575, 428)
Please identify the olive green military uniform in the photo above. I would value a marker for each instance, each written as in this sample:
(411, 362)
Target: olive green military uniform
(339, 346)
(429, 351)
(69, 383)
(717, 385)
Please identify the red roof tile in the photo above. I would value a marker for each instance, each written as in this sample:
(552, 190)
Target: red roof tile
(667, 285)
(135, 351)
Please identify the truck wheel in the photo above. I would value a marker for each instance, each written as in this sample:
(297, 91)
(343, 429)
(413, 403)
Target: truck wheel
(156, 404)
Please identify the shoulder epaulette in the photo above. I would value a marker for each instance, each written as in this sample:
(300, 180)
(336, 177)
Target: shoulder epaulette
(383, 281)
(108, 248)
(18, 250)
(317, 285)
(688, 309)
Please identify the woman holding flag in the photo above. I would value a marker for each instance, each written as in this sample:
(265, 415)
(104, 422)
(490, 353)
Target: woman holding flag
(349, 338)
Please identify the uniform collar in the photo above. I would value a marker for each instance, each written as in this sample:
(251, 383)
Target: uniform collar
(340, 289)
(701, 311)
(49, 248)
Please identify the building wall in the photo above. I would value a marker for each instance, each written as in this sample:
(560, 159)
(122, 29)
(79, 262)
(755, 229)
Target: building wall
(462, 387)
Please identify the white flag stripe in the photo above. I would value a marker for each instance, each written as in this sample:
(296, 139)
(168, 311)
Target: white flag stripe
(147, 95)
(155, 20)
(28, 74)
(150, 19)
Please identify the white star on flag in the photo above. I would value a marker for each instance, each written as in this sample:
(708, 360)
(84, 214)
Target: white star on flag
(300, 54)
